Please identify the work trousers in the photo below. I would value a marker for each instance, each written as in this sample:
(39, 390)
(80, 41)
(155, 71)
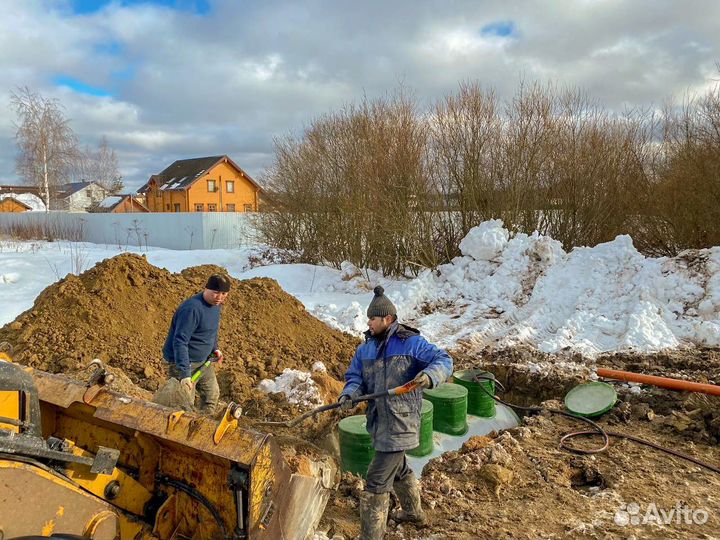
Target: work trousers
(206, 386)
(385, 469)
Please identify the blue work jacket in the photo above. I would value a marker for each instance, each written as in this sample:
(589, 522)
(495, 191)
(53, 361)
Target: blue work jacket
(385, 363)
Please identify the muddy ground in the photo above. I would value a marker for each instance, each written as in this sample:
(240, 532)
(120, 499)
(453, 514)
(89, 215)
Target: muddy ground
(517, 484)
(520, 484)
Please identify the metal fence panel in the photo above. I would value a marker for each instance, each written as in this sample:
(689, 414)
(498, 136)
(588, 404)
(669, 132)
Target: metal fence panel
(182, 230)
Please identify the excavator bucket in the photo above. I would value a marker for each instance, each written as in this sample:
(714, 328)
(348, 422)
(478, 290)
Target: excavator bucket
(169, 478)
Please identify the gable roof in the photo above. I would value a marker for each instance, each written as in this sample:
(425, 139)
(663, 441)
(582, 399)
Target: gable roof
(184, 172)
(29, 197)
(73, 187)
(16, 200)
(108, 204)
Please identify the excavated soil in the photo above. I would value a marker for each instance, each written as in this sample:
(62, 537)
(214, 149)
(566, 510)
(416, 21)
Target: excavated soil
(120, 311)
(517, 484)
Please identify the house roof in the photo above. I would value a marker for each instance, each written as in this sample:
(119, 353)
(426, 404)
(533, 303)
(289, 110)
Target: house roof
(108, 204)
(73, 187)
(31, 199)
(18, 201)
(184, 172)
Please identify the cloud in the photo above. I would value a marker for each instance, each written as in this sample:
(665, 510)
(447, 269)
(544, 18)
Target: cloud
(171, 79)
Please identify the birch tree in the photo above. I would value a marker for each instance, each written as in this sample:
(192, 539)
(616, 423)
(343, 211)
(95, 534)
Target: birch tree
(47, 146)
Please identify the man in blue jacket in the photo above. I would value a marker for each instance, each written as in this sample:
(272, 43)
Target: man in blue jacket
(193, 337)
(392, 355)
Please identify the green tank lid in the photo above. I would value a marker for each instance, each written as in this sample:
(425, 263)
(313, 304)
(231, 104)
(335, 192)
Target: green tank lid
(591, 399)
(426, 431)
(449, 408)
(356, 450)
(479, 402)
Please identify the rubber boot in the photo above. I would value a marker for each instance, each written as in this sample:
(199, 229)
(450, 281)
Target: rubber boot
(373, 515)
(408, 493)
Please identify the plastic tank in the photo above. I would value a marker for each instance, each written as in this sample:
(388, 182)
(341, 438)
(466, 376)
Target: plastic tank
(426, 431)
(449, 408)
(356, 450)
(479, 402)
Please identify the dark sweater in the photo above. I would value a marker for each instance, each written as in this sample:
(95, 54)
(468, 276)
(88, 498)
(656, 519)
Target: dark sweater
(193, 333)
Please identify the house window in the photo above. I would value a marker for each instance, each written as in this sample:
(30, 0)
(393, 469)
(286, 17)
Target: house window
(167, 207)
(177, 207)
(212, 207)
(230, 186)
(199, 207)
(247, 208)
(230, 207)
(211, 186)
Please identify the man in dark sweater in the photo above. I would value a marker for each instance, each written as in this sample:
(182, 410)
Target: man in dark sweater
(193, 337)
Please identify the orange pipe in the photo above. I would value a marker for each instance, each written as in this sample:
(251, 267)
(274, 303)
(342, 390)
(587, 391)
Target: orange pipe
(663, 382)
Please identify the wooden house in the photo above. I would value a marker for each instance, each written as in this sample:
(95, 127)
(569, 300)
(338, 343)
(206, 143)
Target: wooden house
(207, 184)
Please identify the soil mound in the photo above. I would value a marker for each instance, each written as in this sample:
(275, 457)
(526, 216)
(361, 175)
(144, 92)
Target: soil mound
(120, 311)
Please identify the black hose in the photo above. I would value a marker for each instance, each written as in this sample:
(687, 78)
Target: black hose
(195, 494)
(596, 431)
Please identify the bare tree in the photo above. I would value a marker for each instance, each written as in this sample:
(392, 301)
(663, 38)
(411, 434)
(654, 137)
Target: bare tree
(101, 166)
(48, 148)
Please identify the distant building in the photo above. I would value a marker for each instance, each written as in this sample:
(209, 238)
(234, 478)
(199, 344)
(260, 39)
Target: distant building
(26, 196)
(10, 204)
(119, 204)
(78, 196)
(207, 184)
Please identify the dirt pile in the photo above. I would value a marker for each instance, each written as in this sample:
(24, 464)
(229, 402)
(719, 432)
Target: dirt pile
(120, 311)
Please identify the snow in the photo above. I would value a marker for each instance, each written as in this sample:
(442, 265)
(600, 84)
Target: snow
(298, 386)
(503, 290)
(108, 202)
(33, 201)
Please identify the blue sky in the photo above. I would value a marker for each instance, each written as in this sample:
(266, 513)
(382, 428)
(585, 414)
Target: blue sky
(80, 87)
(84, 7)
(171, 79)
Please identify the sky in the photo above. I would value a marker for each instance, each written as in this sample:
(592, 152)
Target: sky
(175, 79)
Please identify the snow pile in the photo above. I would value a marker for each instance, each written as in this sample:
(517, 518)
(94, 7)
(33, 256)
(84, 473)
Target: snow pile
(298, 386)
(524, 289)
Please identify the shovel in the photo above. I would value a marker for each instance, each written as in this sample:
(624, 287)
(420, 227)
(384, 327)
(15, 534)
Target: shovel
(404, 389)
(173, 394)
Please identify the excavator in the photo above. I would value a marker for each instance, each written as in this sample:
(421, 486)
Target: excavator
(78, 460)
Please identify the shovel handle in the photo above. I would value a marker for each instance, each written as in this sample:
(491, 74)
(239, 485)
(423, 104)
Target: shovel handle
(199, 371)
(404, 389)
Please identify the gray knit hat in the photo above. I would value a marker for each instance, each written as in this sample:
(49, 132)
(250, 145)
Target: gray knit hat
(380, 305)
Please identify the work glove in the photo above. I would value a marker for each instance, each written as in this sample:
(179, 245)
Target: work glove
(345, 402)
(187, 384)
(422, 380)
(219, 355)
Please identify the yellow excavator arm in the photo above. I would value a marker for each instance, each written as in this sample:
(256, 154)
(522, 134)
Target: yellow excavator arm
(103, 465)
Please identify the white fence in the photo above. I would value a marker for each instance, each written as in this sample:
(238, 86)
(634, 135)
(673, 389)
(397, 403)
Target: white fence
(184, 230)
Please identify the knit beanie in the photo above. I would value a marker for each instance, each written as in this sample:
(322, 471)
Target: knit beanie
(218, 282)
(380, 306)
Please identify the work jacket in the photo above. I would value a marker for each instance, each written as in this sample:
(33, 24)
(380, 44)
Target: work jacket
(383, 363)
